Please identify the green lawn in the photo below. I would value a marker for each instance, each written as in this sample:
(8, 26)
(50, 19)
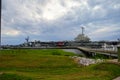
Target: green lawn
(23, 64)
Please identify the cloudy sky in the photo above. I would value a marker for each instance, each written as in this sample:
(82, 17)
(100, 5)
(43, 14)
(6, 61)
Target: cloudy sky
(56, 20)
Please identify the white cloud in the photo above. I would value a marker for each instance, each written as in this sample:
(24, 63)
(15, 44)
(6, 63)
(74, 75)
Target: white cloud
(53, 10)
(11, 32)
(104, 31)
(117, 6)
(98, 12)
(58, 8)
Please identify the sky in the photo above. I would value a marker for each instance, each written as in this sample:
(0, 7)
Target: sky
(59, 20)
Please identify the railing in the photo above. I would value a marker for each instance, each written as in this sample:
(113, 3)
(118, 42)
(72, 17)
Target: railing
(98, 50)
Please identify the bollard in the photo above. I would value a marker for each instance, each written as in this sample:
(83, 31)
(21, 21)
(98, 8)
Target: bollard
(118, 52)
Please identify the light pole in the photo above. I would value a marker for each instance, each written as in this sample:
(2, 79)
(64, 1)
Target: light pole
(0, 20)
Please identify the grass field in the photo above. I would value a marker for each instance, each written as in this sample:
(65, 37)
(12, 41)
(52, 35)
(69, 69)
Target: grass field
(23, 64)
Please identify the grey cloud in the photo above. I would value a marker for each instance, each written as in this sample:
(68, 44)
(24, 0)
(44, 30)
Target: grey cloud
(26, 16)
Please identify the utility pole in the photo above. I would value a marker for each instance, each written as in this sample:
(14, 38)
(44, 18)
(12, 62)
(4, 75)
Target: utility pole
(82, 30)
(82, 36)
(0, 21)
(27, 40)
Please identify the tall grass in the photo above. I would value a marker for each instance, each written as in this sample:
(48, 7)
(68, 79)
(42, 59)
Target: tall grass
(51, 65)
(7, 76)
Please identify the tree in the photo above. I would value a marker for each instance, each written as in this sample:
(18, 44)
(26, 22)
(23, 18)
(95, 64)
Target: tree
(82, 38)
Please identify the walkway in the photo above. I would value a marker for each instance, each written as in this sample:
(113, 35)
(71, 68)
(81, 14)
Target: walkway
(104, 52)
(118, 78)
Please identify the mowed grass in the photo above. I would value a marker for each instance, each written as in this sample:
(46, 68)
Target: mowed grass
(50, 64)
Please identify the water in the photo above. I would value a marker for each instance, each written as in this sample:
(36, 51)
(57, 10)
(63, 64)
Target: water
(76, 51)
